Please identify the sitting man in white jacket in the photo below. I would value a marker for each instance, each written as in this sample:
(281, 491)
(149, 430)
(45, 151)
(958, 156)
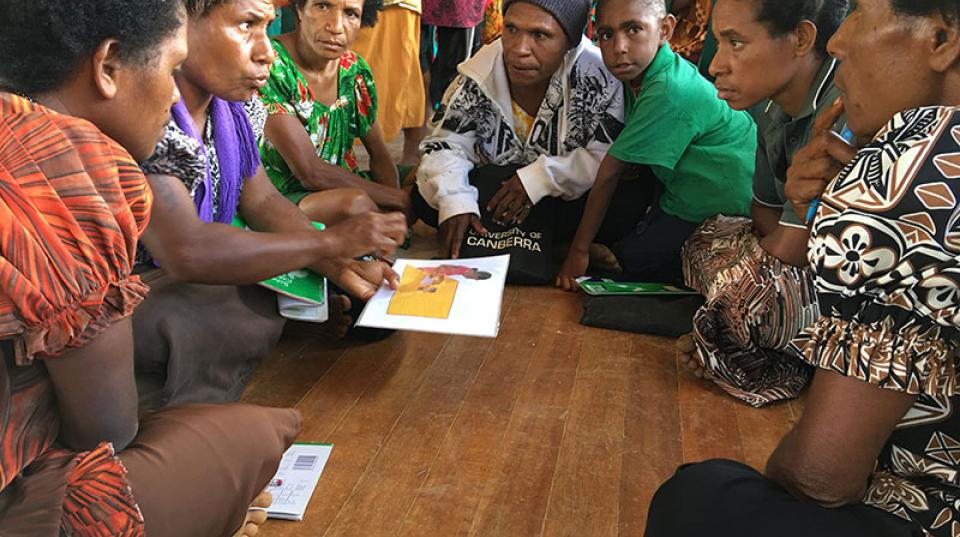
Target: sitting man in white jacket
(538, 103)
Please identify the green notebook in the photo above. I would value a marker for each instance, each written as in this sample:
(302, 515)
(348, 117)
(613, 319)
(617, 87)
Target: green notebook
(305, 285)
(596, 287)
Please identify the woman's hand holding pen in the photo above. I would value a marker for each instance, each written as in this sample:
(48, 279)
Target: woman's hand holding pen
(818, 162)
(363, 243)
(369, 234)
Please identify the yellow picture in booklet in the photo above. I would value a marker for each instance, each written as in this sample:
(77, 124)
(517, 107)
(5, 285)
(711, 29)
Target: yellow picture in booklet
(422, 294)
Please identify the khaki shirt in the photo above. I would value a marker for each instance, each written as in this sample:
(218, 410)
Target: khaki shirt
(780, 136)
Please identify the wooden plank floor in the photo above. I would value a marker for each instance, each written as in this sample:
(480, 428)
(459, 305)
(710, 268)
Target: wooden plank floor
(552, 429)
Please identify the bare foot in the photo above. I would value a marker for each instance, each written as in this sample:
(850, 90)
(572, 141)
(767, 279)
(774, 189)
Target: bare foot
(340, 320)
(334, 329)
(256, 516)
(687, 355)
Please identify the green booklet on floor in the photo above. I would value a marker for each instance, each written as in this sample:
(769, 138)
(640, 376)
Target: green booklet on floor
(304, 285)
(595, 287)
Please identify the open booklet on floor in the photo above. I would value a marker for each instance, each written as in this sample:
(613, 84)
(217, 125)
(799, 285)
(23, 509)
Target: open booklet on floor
(454, 296)
(296, 480)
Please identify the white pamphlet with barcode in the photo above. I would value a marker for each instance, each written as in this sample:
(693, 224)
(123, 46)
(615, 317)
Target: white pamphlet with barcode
(296, 479)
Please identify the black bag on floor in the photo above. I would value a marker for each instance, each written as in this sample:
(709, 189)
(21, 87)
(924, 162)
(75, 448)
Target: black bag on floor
(529, 244)
(654, 315)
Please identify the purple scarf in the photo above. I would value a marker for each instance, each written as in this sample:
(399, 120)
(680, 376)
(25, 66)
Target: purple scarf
(236, 149)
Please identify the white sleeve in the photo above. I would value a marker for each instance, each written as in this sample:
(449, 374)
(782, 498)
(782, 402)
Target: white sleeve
(449, 156)
(444, 182)
(567, 177)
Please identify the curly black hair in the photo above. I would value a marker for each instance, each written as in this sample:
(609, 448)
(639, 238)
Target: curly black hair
(950, 9)
(43, 42)
(783, 16)
(371, 8)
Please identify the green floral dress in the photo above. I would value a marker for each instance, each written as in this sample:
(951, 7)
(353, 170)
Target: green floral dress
(333, 129)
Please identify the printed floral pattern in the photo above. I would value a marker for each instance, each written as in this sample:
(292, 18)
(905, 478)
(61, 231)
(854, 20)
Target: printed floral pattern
(852, 256)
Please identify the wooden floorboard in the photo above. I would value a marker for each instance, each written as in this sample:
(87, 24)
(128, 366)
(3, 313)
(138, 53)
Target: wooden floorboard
(390, 482)
(309, 356)
(653, 441)
(708, 422)
(551, 429)
(361, 433)
(463, 468)
(389, 485)
(588, 472)
(515, 499)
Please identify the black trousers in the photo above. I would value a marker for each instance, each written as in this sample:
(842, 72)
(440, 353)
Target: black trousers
(624, 215)
(651, 250)
(453, 46)
(646, 240)
(727, 499)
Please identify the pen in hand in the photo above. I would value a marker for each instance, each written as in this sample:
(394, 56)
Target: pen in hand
(847, 135)
(376, 257)
(812, 211)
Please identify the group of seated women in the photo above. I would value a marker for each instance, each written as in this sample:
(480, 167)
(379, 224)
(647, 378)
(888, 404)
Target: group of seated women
(159, 157)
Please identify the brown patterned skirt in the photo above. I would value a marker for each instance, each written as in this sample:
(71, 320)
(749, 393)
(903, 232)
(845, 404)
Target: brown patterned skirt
(755, 308)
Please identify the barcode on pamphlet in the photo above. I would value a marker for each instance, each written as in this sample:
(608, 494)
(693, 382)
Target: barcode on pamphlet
(305, 463)
(296, 479)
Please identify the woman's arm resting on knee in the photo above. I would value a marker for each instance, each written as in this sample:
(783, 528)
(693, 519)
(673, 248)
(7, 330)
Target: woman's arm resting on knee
(765, 219)
(96, 392)
(293, 143)
(788, 244)
(829, 455)
(265, 209)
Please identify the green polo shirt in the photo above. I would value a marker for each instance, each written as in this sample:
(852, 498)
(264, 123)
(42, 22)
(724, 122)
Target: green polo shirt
(701, 150)
(781, 136)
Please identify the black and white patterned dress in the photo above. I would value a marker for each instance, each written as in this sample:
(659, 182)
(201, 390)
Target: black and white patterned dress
(178, 155)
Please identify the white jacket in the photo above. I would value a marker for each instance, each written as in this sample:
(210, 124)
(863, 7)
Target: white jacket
(581, 116)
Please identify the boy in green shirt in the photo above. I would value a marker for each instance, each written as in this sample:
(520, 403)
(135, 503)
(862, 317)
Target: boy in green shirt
(678, 130)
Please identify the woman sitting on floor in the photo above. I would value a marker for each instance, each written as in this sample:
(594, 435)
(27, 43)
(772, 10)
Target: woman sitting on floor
(203, 330)
(772, 54)
(321, 97)
(875, 452)
(74, 458)
(522, 130)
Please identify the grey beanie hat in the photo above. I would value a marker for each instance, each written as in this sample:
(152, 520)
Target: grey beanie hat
(571, 14)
